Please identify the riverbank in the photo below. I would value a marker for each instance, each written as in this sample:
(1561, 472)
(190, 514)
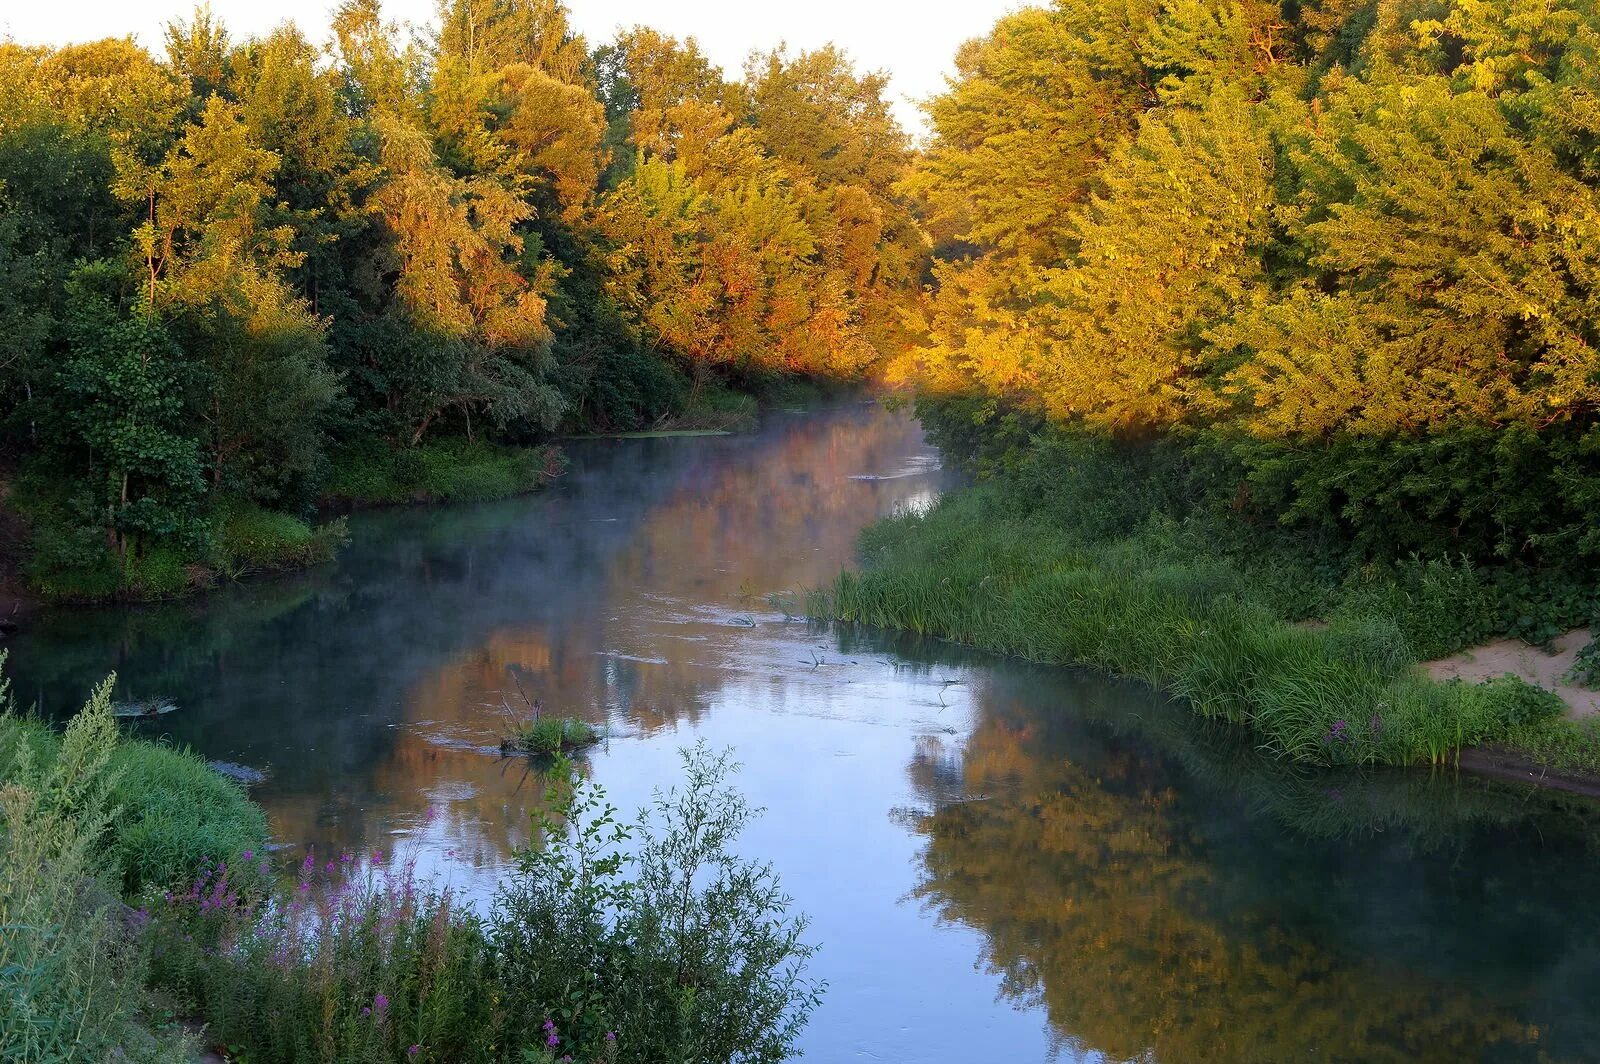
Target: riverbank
(145, 919)
(1068, 557)
(48, 557)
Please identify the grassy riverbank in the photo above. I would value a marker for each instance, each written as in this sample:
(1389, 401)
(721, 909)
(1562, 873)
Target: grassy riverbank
(1081, 552)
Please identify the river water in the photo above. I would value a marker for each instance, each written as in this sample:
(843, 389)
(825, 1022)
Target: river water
(1000, 862)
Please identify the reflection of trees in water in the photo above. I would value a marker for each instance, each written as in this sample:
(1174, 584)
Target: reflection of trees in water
(369, 688)
(1153, 914)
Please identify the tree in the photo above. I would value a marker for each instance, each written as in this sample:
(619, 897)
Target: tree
(118, 406)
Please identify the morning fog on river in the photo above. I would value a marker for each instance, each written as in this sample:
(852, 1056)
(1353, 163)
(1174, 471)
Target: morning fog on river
(1035, 863)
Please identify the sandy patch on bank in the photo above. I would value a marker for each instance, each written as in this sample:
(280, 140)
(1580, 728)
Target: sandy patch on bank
(1530, 663)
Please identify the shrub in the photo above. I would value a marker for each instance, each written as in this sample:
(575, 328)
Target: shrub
(614, 944)
(682, 949)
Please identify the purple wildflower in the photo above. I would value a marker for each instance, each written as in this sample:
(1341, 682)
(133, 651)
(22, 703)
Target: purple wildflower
(381, 1003)
(413, 1049)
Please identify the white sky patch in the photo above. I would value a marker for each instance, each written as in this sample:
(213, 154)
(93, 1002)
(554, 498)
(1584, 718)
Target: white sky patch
(913, 40)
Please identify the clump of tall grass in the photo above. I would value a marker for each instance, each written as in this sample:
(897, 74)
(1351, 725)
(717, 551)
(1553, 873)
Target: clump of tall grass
(72, 963)
(172, 810)
(252, 538)
(544, 735)
(988, 569)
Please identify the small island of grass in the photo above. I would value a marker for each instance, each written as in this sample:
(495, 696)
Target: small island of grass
(544, 734)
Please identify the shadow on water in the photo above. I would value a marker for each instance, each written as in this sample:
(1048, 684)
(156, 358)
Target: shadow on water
(1002, 862)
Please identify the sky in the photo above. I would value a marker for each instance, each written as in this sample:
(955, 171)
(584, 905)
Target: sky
(914, 40)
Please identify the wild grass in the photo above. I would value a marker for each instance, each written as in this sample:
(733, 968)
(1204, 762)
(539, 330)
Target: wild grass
(990, 567)
(448, 470)
(550, 735)
(544, 734)
(72, 963)
(168, 812)
(255, 539)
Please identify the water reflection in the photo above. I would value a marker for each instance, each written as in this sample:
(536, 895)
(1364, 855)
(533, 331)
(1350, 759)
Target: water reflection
(1001, 862)
(1154, 908)
(375, 689)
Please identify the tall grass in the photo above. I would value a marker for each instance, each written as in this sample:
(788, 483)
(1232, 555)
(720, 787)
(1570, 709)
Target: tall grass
(71, 962)
(172, 812)
(987, 568)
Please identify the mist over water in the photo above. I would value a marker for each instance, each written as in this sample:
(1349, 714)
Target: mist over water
(1001, 862)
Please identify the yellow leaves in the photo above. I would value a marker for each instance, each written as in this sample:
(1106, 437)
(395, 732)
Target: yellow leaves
(535, 131)
(458, 247)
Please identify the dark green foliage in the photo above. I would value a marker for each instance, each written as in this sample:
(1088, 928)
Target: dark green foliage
(117, 408)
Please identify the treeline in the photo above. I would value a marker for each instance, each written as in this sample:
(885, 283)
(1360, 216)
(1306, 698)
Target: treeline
(241, 272)
(1353, 244)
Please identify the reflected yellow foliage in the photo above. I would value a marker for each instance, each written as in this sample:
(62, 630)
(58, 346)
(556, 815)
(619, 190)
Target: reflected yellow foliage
(1100, 900)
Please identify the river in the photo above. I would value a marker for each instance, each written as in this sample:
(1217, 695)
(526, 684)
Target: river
(1000, 862)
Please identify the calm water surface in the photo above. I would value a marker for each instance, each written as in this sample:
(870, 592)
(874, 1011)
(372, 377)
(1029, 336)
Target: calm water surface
(1001, 863)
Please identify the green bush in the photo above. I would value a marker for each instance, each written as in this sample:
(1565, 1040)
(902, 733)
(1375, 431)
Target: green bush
(613, 944)
(171, 811)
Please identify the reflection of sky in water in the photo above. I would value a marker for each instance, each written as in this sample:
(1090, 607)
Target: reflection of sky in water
(1000, 862)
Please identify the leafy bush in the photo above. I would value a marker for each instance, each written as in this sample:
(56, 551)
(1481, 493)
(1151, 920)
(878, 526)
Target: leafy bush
(680, 948)
(623, 944)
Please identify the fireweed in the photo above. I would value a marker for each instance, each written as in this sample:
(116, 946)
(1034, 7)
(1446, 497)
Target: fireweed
(613, 944)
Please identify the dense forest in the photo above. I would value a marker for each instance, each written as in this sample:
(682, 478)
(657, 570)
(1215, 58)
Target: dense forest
(1362, 236)
(243, 278)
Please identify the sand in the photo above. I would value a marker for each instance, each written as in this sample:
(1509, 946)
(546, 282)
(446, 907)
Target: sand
(1530, 663)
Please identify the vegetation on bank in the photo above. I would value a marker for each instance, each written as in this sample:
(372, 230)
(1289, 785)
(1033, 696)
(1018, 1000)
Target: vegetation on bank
(447, 471)
(134, 886)
(1144, 560)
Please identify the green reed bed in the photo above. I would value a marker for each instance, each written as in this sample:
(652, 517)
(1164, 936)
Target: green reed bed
(544, 734)
(981, 569)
